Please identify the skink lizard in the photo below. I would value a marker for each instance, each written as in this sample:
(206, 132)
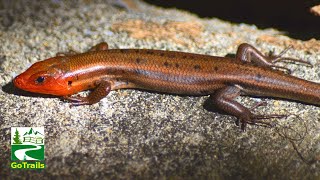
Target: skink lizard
(223, 78)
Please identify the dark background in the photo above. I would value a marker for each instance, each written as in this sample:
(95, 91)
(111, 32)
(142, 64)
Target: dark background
(290, 16)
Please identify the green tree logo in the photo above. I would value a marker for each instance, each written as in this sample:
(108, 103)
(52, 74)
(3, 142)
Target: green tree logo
(27, 144)
(16, 138)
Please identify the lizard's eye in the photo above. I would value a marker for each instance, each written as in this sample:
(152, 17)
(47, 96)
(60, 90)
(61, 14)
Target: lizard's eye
(40, 79)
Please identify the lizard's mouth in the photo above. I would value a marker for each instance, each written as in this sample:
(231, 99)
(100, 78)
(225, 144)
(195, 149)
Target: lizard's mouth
(25, 83)
(19, 82)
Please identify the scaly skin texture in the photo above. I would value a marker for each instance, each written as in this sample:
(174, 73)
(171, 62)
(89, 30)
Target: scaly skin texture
(103, 70)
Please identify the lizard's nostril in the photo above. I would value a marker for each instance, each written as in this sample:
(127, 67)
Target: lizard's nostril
(18, 81)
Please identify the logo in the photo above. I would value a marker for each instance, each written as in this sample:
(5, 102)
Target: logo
(27, 148)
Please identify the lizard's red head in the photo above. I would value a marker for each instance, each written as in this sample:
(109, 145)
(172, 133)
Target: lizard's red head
(44, 77)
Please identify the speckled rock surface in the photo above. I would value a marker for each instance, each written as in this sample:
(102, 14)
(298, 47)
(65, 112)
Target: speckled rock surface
(136, 134)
